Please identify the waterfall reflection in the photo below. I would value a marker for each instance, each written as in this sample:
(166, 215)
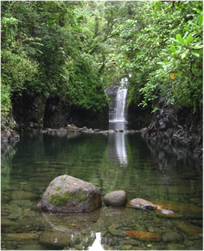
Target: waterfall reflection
(117, 143)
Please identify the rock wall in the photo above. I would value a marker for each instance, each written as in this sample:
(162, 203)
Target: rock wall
(28, 111)
(36, 112)
(111, 91)
(178, 127)
(56, 113)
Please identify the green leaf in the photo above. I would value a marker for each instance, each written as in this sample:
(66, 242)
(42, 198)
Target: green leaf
(195, 54)
(183, 55)
(178, 74)
(172, 48)
(180, 39)
(200, 20)
(197, 47)
(189, 39)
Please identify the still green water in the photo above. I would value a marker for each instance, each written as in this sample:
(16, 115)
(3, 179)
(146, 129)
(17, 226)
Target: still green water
(117, 161)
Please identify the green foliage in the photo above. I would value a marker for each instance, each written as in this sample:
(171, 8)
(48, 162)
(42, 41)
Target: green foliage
(54, 49)
(74, 50)
(164, 38)
(5, 99)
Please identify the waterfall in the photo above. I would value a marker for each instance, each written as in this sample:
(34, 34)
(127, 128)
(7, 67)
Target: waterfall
(119, 112)
(118, 121)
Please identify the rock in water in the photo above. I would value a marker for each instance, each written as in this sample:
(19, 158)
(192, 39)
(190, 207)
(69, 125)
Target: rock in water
(68, 194)
(144, 236)
(143, 204)
(115, 199)
(57, 239)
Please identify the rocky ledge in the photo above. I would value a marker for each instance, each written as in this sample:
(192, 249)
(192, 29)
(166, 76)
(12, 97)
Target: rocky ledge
(71, 128)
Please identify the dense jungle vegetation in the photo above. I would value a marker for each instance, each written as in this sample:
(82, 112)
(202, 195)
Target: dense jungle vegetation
(74, 50)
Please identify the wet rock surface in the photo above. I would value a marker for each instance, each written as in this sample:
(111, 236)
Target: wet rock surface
(142, 204)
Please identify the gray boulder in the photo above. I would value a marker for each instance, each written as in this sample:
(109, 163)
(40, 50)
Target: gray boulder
(115, 199)
(68, 194)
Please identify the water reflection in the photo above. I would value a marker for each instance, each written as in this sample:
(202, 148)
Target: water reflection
(97, 243)
(154, 172)
(117, 143)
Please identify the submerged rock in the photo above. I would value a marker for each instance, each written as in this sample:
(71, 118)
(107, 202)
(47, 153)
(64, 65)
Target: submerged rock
(58, 239)
(8, 225)
(190, 229)
(175, 247)
(25, 237)
(115, 199)
(179, 207)
(168, 214)
(144, 236)
(172, 236)
(68, 194)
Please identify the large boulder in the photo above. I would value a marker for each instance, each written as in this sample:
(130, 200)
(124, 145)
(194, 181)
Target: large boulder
(68, 194)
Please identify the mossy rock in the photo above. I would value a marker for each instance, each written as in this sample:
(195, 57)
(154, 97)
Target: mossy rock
(69, 194)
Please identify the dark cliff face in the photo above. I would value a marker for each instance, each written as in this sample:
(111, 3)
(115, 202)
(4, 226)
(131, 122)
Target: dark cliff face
(177, 127)
(28, 111)
(35, 112)
(111, 91)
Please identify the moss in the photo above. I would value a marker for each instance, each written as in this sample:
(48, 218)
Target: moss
(81, 197)
(58, 188)
(58, 200)
(61, 200)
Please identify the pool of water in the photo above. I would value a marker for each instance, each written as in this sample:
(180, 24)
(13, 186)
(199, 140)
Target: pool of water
(117, 161)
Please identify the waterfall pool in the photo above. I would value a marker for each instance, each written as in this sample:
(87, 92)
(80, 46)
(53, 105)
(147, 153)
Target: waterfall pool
(117, 161)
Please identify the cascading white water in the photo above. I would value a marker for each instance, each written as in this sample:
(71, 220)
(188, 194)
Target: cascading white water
(119, 113)
(118, 122)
